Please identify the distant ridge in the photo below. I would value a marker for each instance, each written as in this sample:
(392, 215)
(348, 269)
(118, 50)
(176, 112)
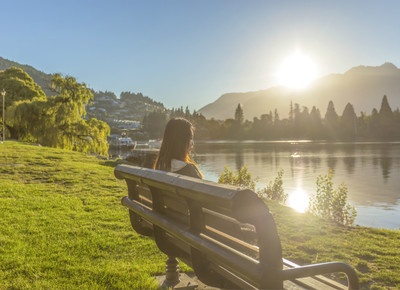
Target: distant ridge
(41, 78)
(362, 86)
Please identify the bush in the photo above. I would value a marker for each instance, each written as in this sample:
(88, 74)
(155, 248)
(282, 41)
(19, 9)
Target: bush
(330, 203)
(274, 189)
(241, 178)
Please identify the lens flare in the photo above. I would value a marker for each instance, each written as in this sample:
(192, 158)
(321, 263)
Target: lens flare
(298, 200)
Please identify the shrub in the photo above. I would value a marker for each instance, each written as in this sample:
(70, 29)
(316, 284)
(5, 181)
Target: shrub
(274, 189)
(241, 178)
(330, 203)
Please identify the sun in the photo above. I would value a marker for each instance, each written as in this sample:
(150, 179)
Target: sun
(297, 72)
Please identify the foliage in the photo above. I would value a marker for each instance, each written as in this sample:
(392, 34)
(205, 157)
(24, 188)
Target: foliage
(274, 189)
(155, 123)
(18, 86)
(348, 123)
(41, 78)
(56, 121)
(138, 97)
(239, 116)
(330, 203)
(241, 178)
(301, 124)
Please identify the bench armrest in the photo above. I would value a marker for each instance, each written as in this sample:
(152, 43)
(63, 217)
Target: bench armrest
(320, 269)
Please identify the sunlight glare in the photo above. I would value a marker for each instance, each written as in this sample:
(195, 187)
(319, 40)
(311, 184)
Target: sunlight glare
(298, 200)
(297, 72)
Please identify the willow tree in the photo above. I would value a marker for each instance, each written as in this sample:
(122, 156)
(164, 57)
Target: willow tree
(58, 121)
(20, 87)
(69, 129)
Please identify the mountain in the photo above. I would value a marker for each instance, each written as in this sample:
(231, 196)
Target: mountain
(362, 86)
(41, 78)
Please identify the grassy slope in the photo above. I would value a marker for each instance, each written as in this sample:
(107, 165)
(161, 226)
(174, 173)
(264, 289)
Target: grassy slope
(62, 226)
(374, 253)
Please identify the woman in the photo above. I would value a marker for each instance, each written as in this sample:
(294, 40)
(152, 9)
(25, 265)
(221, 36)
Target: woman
(175, 148)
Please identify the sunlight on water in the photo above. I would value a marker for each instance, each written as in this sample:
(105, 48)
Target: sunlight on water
(298, 200)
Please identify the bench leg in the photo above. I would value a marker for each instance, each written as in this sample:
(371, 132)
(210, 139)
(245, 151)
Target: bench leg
(172, 271)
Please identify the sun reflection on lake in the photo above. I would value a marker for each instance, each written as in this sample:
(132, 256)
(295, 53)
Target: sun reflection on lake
(298, 200)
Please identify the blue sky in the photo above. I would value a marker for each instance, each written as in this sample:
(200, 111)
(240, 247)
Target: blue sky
(191, 52)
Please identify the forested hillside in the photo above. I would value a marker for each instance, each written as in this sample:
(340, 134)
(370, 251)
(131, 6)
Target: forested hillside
(362, 86)
(41, 78)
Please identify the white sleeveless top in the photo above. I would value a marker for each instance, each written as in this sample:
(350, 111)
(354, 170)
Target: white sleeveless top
(177, 165)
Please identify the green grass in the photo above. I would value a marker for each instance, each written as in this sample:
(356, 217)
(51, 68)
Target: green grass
(62, 226)
(374, 253)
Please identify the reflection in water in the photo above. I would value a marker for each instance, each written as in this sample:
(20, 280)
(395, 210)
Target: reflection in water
(386, 161)
(298, 200)
(350, 163)
(370, 170)
(239, 159)
(316, 163)
(331, 162)
(386, 164)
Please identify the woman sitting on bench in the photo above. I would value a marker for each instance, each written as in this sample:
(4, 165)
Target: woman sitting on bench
(175, 148)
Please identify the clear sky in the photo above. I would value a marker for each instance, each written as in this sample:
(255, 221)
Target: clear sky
(190, 52)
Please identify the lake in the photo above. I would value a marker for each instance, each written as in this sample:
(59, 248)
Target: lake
(371, 171)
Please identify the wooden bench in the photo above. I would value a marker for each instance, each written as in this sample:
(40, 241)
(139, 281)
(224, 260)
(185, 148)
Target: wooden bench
(226, 234)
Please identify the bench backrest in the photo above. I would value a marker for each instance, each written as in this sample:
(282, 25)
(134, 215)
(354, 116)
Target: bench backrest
(226, 234)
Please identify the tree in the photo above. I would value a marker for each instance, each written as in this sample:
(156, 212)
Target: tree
(276, 116)
(316, 128)
(386, 120)
(330, 203)
(374, 126)
(239, 117)
(187, 113)
(332, 121)
(291, 114)
(385, 107)
(19, 87)
(296, 122)
(58, 121)
(348, 122)
(362, 125)
(154, 123)
(331, 116)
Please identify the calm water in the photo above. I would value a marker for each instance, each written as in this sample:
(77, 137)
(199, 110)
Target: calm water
(371, 172)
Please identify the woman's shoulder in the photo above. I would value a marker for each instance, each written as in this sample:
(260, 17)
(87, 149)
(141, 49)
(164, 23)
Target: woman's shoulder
(190, 170)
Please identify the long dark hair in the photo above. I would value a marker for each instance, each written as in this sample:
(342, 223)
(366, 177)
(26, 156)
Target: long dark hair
(176, 143)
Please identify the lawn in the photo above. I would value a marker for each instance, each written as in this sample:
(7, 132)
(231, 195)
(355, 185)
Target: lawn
(62, 226)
